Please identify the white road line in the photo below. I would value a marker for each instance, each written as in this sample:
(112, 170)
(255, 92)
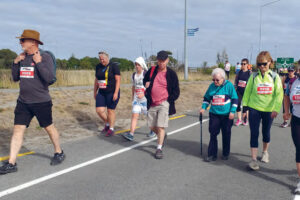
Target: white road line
(56, 174)
(297, 197)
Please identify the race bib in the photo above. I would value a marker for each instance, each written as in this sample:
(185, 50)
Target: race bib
(264, 88)
(102, 84)
(27, 72)
(296, 99)
(218, 100)
(139, 91)
(242, 83)
(284, 86)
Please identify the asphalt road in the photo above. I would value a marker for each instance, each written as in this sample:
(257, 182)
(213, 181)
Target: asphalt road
(113, 168)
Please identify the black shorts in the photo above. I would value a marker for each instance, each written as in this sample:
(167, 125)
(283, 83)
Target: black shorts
(25, 112)
(106, 100)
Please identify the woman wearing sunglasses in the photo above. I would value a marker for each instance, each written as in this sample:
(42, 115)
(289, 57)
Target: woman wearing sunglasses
(292, 97)
(263, 98)
(222, 96)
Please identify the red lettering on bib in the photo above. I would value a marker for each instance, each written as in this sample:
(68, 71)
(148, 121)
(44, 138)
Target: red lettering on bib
(264, 88)
(218, 100)
(139, 91)
(242, 83)
(27, 72)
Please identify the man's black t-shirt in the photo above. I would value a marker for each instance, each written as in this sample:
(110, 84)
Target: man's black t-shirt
(106, 77)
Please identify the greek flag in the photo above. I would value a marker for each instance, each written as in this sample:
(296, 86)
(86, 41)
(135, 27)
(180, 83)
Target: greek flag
(192, 31)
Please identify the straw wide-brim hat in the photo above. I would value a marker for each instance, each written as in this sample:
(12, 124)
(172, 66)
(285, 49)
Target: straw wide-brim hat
(31, 34)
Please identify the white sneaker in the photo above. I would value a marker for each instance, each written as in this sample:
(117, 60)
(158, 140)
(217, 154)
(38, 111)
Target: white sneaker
(297, 190)
(265, 157)
(254, 165)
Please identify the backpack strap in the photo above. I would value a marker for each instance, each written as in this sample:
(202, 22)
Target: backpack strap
(133, 74)
(152, 71)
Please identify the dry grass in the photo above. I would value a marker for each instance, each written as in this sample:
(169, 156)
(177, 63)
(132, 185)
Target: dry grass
(86, 77)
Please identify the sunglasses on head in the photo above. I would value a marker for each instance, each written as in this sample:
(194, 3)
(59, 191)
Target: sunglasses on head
(244, 63)
(262, 64)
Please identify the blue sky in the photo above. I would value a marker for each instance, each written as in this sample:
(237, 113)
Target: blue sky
(125, 28)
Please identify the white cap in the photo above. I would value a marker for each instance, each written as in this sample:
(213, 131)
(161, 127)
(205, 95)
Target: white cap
(141, 62)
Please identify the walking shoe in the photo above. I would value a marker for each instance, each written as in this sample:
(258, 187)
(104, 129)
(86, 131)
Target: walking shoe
(159, 154)
(245, 123)
(225, 157)
(297, 190)
(284, 125)
(151, 134)
(238, 122)
(254, 165)
(8, 168)
(128, 136)
(265, 157)
(58, 158)
(105, 129)
(210, 158)
(109, 133)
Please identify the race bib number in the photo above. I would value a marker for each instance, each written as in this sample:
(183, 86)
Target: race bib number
(27, 72)
(242, 83)
(264, 88)
(102, 84)
(284, 86)
(218, 100)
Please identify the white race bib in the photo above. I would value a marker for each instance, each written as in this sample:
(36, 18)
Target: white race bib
(264, 88)
(242, 83)
(218, 100)
(27, 72)
(102, 84)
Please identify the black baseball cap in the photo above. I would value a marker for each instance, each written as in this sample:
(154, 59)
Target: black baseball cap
(291, 69)
(162, 55)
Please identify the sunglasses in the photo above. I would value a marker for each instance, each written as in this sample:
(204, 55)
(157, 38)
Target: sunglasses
(216, 80)
(244, 63)
(290, 70)
(22, 40)
(262, 64)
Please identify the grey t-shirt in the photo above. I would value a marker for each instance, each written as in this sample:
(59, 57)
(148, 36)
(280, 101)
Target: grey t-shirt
(34, 78)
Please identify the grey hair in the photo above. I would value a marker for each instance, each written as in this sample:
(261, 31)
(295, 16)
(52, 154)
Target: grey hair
(219, 71)
(104, 53)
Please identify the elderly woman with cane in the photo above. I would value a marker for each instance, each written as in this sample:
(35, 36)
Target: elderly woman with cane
(223, 98)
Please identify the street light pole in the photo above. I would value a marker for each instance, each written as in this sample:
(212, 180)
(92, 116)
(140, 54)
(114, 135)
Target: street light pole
(260, 16)
(186, 76)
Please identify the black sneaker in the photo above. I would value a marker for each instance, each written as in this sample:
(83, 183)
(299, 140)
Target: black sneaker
(8, 168)
(58, 158)
(159, 154)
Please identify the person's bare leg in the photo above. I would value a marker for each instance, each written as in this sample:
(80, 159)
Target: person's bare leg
(239, 115)
(16, 142)
(154, 129)
(134, 119)
(101, 113)
(254, 153)
(54, 136)
(298, 169)
(111, 117)
(160, 135)
(265, 146)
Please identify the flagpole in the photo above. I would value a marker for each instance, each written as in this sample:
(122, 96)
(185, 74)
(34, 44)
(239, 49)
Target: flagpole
(186, 76)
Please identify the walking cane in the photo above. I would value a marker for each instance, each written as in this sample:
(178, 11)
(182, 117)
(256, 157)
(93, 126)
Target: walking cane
(200, 119)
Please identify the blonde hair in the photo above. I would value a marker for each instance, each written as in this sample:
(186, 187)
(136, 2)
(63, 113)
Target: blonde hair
(265, 55)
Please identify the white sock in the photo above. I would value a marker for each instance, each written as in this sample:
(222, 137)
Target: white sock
(111, 129)
(131, 133)
(159, 146)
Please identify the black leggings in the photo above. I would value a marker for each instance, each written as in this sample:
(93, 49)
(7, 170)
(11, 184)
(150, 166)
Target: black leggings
(295, 128)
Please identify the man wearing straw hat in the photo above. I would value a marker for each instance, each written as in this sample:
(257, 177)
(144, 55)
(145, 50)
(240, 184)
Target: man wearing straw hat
(34, 71)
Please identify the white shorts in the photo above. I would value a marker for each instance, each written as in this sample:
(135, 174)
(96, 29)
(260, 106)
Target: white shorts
(139, 107)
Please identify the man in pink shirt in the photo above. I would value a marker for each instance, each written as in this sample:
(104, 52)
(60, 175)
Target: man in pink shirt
(162, 91)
